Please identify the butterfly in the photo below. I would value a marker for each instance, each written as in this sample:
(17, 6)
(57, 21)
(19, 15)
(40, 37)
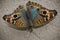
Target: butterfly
(34, 17)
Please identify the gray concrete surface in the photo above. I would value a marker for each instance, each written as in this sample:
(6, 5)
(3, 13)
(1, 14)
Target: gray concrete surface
(51, 31)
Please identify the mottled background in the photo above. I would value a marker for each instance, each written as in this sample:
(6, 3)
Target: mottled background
(51, 31)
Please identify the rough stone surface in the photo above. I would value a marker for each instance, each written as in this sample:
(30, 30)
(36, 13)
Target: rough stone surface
(51, 31)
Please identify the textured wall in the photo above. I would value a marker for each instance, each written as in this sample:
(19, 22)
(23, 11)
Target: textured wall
(51, 31)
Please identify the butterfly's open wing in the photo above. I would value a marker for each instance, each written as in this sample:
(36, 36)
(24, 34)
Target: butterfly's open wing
(38, 14)
(18, 18)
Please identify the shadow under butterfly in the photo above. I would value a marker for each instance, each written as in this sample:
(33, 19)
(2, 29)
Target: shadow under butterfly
(35, 16)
